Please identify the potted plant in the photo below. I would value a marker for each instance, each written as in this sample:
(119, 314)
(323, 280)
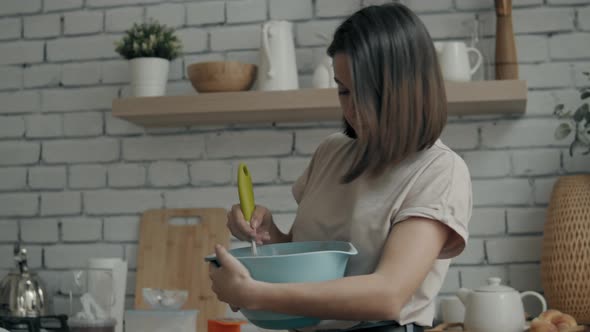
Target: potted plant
(149, 47)
(565, 263)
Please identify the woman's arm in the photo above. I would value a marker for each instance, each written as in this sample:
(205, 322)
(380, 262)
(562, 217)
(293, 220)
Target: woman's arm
(409, 253)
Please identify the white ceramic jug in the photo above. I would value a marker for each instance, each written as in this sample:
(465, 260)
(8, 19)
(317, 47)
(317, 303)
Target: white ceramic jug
(453, 58)
(494, 308)
(278, 67)
(323, 75)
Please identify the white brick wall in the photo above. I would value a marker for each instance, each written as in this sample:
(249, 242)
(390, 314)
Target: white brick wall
(61, 203)
(306, 33)
(126, 176)
(9, 230)
(87, 176)
(514, 249)
(121, 229)
(83, 124)
(584, 18)
(19, 152)
(290, 169)
(55, 5)
(47, 177)
(531, 48)
(121, 19)
(81, 73)
(39, 126)
(172, 15)
(10, 77)
(420, 6)
(208, 12)
(193, 39)
(543, 20)
(124, 201)
(334, 8)
(520, 133)
(42, 75)
(536, 162)
(19, 102)
(211, 173)
(235, 38)
(168, 174)
(41, 26)
(72, 151)
(78, 99)
(242, 144)
(569, 46)
(487, 221)
(488, 163)
(10, 28)
(246, 11)
(21, 52)
(39, 230)
(82, 48)
(526, 220)
(77, 229)
(77, 255)
(12, 7)
(66, 160)
(291, 10)
(12, 178)
(543, 187)
(513, 192)
(12, 127)
(477, 276)
(536, 75)
(154, 148)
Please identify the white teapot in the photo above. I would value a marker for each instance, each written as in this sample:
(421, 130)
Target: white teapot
(495, 307)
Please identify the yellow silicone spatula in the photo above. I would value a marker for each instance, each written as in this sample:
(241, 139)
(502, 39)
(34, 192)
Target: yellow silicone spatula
(246, 194)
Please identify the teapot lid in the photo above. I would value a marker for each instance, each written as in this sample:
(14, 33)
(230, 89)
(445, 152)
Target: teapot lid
(494, 286)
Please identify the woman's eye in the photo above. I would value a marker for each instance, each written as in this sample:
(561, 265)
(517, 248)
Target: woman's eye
(343, 92)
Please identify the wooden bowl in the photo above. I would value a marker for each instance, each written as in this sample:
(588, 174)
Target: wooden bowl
(219, 76)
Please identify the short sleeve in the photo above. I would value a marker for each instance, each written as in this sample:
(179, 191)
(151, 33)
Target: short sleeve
(299, 186)
(442, 192)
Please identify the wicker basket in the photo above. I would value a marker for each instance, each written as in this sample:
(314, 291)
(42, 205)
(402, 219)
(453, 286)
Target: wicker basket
(565, 259)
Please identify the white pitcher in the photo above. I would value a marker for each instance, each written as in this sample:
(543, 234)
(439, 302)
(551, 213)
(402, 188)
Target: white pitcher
(278, 68)
(453, 58)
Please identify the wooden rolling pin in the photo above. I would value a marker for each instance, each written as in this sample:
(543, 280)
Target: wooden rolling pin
(506, 58)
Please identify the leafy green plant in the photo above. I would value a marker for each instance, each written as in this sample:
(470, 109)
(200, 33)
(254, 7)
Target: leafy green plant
(578, 122)
(150, 39)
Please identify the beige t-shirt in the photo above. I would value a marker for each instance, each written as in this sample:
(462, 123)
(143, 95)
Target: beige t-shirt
(434, 183)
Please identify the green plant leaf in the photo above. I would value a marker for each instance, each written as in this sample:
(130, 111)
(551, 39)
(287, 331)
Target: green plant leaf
(558, 108)
(581, 112)
(563, 131)
(585, 94)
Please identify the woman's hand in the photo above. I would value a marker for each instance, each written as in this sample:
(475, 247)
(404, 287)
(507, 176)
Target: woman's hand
(260, 228)
(231, 281)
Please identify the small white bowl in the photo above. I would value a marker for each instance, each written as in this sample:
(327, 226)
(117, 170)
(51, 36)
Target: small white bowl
(165, 298)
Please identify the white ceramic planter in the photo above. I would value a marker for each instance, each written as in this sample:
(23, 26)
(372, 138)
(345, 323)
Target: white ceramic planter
(149, 76)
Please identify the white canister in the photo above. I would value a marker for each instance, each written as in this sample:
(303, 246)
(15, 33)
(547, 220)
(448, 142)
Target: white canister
(161, 320)
(118, 284)
(149, 76)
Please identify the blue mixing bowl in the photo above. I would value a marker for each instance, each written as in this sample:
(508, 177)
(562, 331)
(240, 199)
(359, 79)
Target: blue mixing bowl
(290, 263)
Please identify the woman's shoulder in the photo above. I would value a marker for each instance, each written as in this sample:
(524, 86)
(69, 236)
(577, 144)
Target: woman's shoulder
(440, 159)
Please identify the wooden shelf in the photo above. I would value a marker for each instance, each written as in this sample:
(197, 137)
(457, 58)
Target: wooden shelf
(469, 98)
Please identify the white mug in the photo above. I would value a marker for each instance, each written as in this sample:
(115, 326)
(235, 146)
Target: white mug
(453, 58)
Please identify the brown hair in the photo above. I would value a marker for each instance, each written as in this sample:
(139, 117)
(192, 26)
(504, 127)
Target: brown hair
(398, 92)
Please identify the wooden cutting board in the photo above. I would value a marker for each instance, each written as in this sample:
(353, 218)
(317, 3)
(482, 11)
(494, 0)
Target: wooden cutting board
(171, 256)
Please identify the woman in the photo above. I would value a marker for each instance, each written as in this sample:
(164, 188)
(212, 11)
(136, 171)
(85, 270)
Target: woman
(388, 185)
